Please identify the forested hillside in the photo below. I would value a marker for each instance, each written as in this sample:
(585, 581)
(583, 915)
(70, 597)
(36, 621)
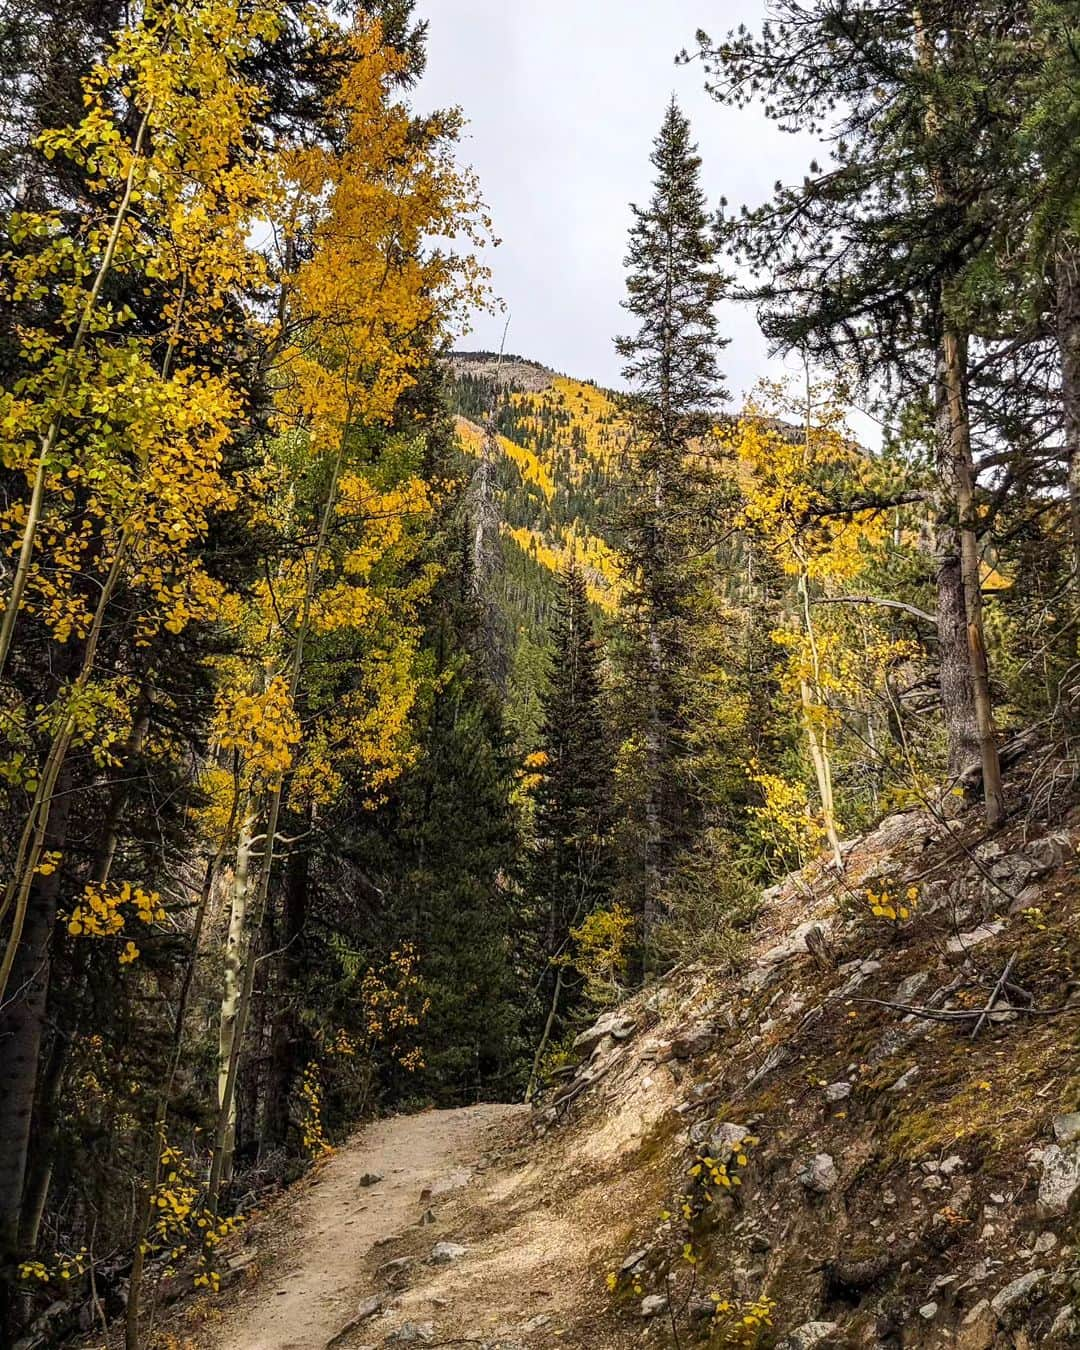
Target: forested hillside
(378, 713)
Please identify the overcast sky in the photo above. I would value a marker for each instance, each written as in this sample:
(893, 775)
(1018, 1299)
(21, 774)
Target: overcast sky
(563, 99)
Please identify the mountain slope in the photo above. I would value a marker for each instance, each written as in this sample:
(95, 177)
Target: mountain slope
(560, 444)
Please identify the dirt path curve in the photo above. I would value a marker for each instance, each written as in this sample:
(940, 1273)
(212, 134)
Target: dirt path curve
(311, 1286)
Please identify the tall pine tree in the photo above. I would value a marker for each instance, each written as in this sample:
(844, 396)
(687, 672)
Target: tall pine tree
(671, 366)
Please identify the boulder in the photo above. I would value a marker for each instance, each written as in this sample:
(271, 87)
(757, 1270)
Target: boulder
(1067, 1127)
(615, 1024)
(1047, 854)
(809, 1335)
(1018, 1293)
(1060, 1180)
(444, 1253)
(695, 1040)
(820, 1174)
(909, 987)
(963, 942)
(635, 1262)
(725, 1140)
(653, 1304)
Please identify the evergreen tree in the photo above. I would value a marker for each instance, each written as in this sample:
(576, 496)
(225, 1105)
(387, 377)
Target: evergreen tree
(571, 869)
(866, 263)
(673, 501)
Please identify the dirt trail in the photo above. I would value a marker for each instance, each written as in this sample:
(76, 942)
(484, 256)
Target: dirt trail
(311, 1282)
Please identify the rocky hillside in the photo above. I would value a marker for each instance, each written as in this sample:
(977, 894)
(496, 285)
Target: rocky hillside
(868, 1132)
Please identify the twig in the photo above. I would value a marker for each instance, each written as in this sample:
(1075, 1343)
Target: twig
(998, 988)
(962, 1014)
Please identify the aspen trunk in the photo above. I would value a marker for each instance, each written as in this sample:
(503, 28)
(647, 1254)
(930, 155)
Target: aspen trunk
(239, 898)
(22, 1023)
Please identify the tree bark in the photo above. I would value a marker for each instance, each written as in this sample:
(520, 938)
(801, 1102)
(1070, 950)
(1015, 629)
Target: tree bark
(22, 1022)
(285, 1039)
(230, 996)
(960, 468)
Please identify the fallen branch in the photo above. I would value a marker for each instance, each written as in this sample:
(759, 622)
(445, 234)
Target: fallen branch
(961, 1014)
(995, 995)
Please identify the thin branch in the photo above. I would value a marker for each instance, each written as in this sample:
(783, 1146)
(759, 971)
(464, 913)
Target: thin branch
(913, 610)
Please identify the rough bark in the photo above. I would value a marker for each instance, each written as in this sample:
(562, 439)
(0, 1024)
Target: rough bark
(959, 466)
(285, 1039)
(22, 1023)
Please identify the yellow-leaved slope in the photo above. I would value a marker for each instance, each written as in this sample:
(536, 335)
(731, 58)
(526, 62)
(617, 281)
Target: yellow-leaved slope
(568, 436)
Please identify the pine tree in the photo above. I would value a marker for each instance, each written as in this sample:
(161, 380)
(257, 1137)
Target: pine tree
(671, 367)
(865, 264)
(571, 869)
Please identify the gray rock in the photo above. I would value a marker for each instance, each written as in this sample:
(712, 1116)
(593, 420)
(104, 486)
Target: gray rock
(951, 1164)
(371, 1179)
(909, 987)
(634, 1263)
(905, 1080)
(837, 1092)
(963, 942)
(1048, 853)
(1067, 1127)
(725, 1140)
(1045, 1242)
(1060, 1180)
(1018, 1292)
(809, 1335)
(928, 1311)
(820, 1174)
(795, 944)
(615, 1024)
(653, 1304)
(695, 1040)
(443, 1253)
(368, 1308)
(1065, 1327)
(412, 1333)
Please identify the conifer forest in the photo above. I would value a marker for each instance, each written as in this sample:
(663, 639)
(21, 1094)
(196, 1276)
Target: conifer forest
(380, 713)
